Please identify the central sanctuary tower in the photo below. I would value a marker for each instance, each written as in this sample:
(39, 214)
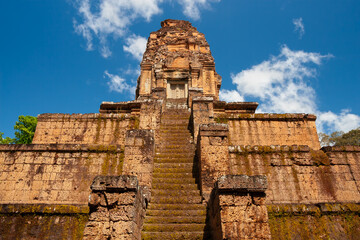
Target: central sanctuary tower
(177, 63)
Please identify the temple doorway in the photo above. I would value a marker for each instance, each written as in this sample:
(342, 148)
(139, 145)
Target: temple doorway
(177, 90)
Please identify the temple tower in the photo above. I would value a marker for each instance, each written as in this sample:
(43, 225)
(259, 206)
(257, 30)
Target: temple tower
(177, 64)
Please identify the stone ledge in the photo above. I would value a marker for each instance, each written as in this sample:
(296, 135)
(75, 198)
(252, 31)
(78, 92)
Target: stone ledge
(242, 183)
(61, 148)
(87, 116)
(203, 99)
(120, 183)
(43, 209)
(214, 129)
(268, 116)
(268, 148)
(196, 89)
(278, 210)
(341, 149)
(233, 106)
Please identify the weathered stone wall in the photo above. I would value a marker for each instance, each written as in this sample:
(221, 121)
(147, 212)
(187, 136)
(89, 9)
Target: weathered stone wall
(237, 208)
(54, 174)
(202, 113)
(139, 155)
(117, 208)
(321, 221)
(297, 174)
(42, 221)
(271, 129)
(84, 128)
(213, 153)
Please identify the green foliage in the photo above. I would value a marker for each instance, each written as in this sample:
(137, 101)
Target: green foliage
(6, 140)
(340, 138)
(24, 131)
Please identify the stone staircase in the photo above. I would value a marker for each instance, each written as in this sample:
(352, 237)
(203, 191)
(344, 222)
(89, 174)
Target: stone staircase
(175, 211)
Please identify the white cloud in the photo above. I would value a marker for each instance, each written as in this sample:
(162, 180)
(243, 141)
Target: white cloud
(102, 19)
(119, 84)
(135, 45)
(282, 85)
(191, 8)
(299, 26)
(230, 96)
(111, 17)
(345, 121)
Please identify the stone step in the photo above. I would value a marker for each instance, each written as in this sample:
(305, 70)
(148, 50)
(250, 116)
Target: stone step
(189, 180)
(171, 146)
(174, 186)
(172, 136)
(181, 127)
(174, 235)
(174, 219)
(173, 160)
(186, 153)
(176, 199)
(176, 115)
(176, 212)
(176, 132)
(174, 227)
(173, 165)
(170, 140)
(173, 175)
(168, 192)
(182, 207)
(173, 170)
(174, 141)
(174, 122)
(184, 149)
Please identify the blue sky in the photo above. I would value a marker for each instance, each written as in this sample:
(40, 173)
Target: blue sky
(290, 56)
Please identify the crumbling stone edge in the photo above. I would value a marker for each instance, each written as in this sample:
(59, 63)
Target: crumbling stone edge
(117, 208)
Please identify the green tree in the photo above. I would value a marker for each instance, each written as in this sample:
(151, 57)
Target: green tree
(340, 138)
(24, 131)
(6, 140)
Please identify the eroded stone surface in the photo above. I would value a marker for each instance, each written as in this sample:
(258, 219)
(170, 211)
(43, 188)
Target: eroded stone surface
(177, 63)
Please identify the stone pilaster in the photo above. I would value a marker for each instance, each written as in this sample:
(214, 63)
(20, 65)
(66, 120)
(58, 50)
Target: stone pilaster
(213, 155)
(237, 208)
(117, 208)
(139, 155)
(202, 112)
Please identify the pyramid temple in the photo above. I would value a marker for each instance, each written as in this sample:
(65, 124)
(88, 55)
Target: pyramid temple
(177, 163)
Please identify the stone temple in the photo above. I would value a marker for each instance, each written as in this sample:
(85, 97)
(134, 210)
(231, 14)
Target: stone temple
(177, 163)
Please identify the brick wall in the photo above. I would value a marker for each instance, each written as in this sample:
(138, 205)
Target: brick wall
(297, 174)
(84, 128)
(54, 174)
(271, 129)
(42, 221)
(320, 221)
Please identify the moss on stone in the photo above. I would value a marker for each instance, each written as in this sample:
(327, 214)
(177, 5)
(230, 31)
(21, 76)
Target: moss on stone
(319, 158)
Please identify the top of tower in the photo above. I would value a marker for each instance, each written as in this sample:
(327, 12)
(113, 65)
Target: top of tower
(177, 60)
(176, 23)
